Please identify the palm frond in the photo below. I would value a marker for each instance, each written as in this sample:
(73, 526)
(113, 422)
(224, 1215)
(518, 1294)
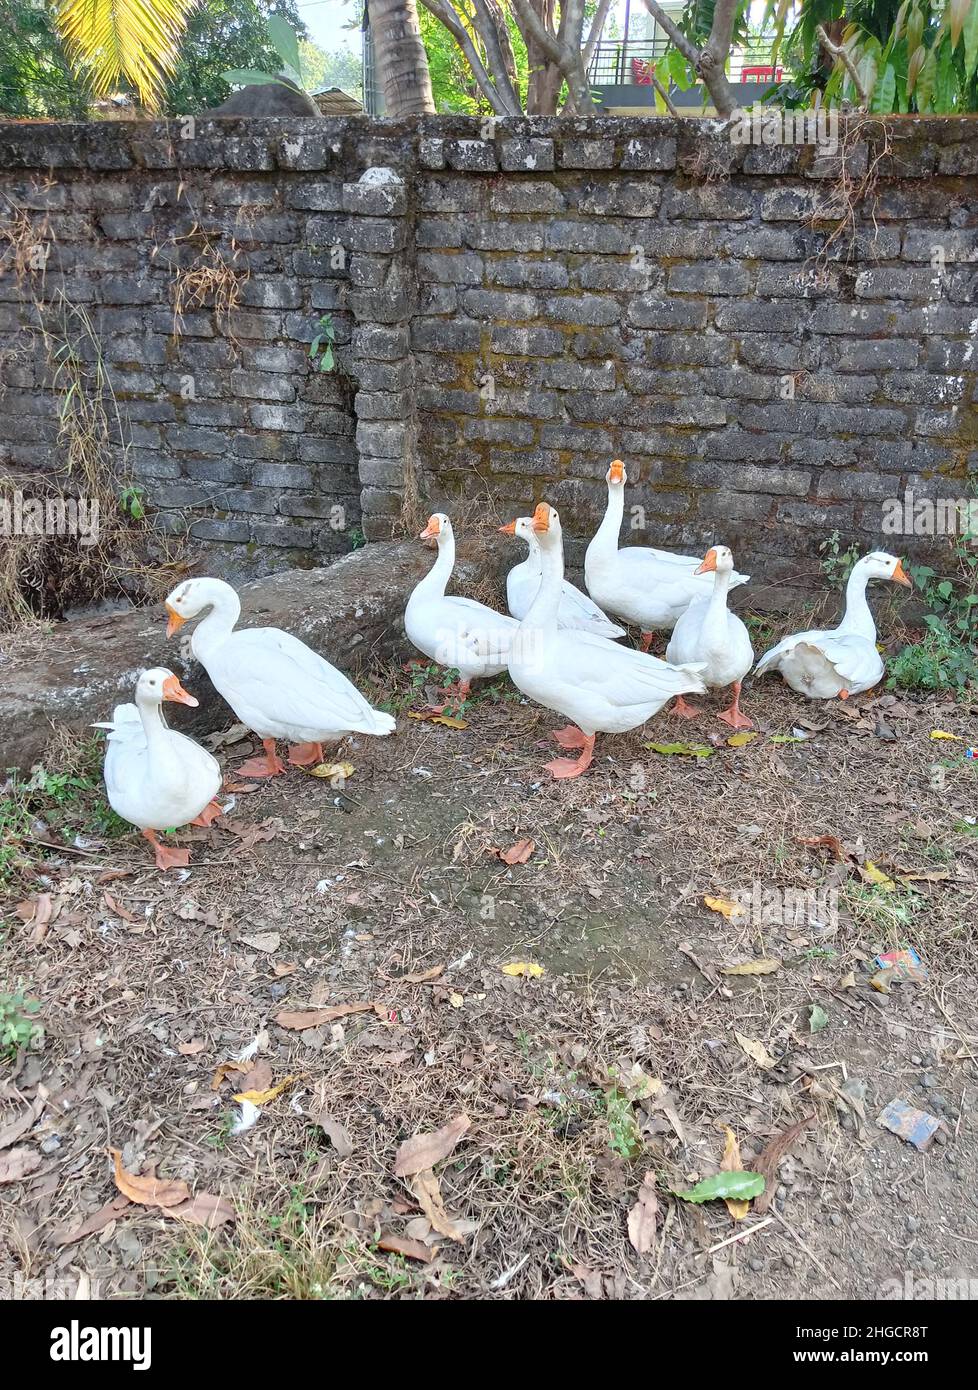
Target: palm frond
(133, 39)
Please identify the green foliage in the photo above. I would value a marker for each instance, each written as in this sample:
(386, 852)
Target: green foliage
(131, 501)
(224, 35)
(734, 1187)
(55, 806)
(321, 348)
(946, 658)
(19, 1030)
(910, 55)
(837, 563)
(35, 76)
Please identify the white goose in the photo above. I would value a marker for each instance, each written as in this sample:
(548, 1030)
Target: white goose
(643, 585)
(601, 686)
(455, 632)
(155, 777)
(576, 611)
(276, 685)
(829, 662)
(709, 632)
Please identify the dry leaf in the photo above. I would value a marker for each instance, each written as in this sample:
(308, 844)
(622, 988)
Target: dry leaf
(432, 718)
(312, 1018)
(427, 1189)
(724, 906)
(263, 941)
(263, 1097)
(339, 1135)
(523, 967)
(940, 733)
(641, 1218)
(755, 1050)
(20, 1126)
(225, 1069)
(425, 1150)
(741, 740)
(190, 1049)
(830, 842)
(869, 873)
(730, 1163)
(204, 1210)
(771, 1156)
(148, 1191)
(95, 1223)
(114, 906)
(339, 771)
(518, 853)
(400, 1245)
(753, 967)
(18, 1164)
(418, 978)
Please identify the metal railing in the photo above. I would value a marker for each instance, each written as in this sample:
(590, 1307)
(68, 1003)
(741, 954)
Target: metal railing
(622, 63)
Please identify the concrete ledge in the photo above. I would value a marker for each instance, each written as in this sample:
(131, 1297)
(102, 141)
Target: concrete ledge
(351, 612)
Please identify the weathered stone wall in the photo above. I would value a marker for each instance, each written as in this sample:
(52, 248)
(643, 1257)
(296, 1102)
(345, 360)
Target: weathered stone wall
(526, 302)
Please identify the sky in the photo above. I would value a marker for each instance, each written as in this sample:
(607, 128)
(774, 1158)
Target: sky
(325, 20)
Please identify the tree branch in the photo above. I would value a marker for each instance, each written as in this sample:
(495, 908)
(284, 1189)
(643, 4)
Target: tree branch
(679, 39)
(709, 61)
(662, 93)
(445, 14)
(489, 32)
(597, 26)
(839, 52)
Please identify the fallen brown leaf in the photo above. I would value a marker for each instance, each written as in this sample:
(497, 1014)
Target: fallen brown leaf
(518, 853)
(12, 1132)
(418, 978)
(427, 1189)
(204, 1210)
(425, 1150)
(401, 1245)
(121, 911)
(641, 1218)
(148, 1191)
(96, 1222)
(731, 1163)
(226, 1069)
(18, 1164)
(771, 1156)
(312, 1018)
(190, 1049)
(338, 1135)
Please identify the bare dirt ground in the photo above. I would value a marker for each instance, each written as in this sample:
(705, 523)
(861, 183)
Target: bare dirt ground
(600, 1086)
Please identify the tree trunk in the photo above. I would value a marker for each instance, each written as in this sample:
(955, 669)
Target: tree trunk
(402, 64)
(546, 79)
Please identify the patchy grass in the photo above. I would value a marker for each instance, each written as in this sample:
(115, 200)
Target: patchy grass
(622, 1059)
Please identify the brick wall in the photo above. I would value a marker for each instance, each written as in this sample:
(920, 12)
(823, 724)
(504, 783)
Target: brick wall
(515, 305)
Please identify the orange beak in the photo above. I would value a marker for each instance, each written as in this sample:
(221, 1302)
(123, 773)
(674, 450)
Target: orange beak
(509, 529)
(709, 562)
(432, 530)
(541, 517)
(175, 622)
(616, 473)
(173, 690)
(900, 575)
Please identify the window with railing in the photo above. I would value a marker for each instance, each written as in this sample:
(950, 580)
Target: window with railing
(625, 62)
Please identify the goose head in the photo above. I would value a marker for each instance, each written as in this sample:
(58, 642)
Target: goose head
(718, 559)
(878, 564)
(616, 476)
(522, 527)
(192, 597)
(545, 523)
(158, 684)
(438, 529)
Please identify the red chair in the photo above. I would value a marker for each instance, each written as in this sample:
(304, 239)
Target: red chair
(760, 74)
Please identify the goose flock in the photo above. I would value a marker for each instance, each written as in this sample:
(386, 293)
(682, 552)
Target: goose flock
(560, 647)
